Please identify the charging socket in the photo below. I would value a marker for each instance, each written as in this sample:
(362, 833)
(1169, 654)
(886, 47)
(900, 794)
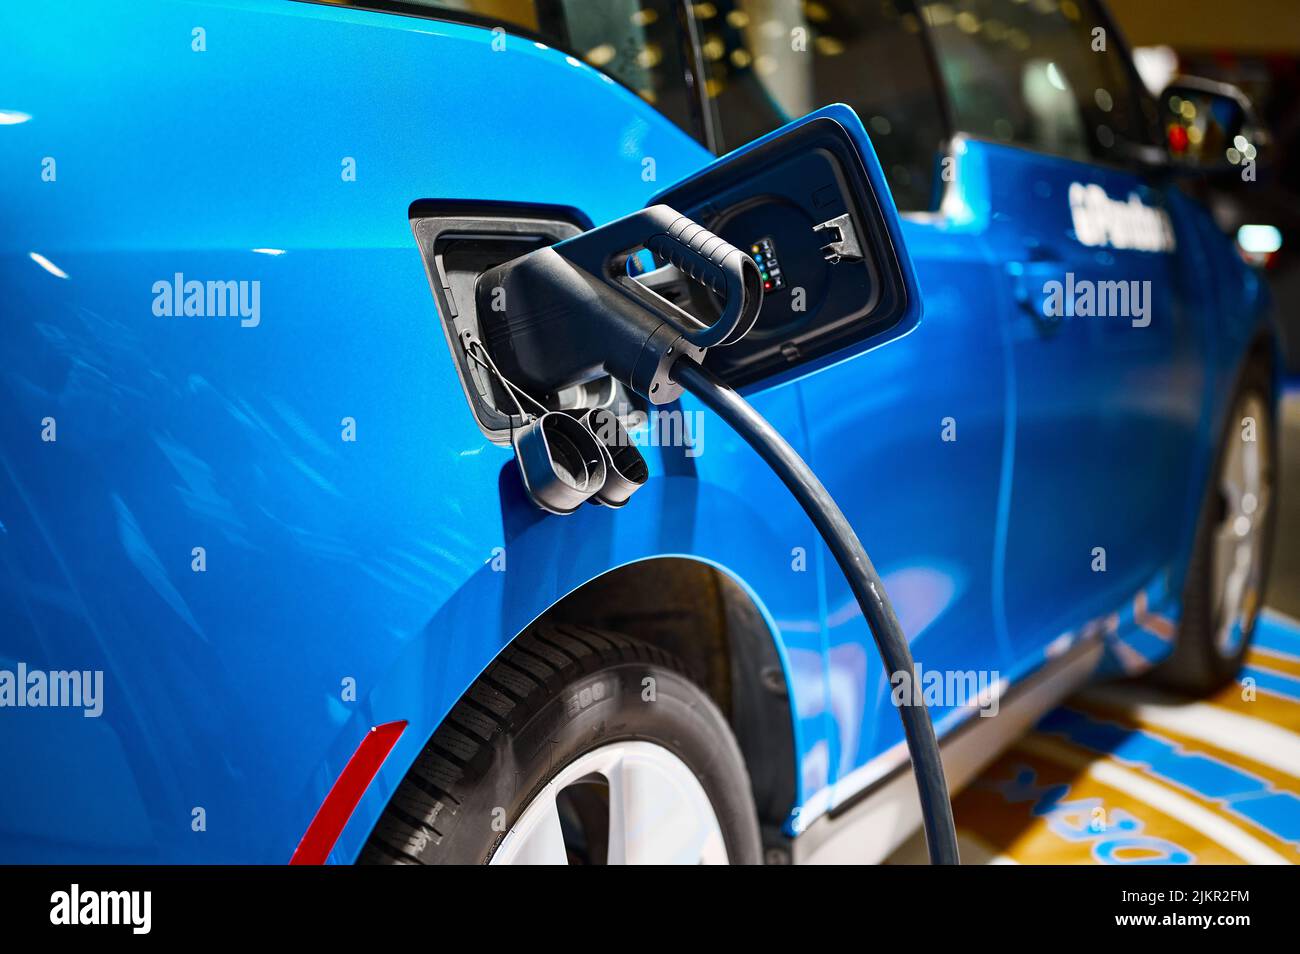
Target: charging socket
(459, 242)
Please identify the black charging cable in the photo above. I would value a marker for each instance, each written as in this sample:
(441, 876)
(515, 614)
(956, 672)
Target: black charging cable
(936, 810)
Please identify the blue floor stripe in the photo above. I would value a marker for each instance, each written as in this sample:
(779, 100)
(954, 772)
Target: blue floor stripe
(1277, 812)
(1277, 634)
(1239, 791)
(1198, 773)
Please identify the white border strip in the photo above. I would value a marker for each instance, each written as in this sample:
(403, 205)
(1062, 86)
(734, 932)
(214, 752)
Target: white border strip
(1243, 735)
(1280, 616)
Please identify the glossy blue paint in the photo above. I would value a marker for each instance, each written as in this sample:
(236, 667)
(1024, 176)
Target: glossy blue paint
(367, 562)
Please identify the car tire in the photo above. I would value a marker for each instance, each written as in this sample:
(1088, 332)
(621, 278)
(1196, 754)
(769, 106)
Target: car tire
(555, 700)
(1214, 632)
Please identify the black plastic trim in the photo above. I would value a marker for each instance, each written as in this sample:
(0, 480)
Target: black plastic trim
(520, 228)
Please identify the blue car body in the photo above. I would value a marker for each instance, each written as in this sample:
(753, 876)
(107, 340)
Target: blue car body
(369, 563)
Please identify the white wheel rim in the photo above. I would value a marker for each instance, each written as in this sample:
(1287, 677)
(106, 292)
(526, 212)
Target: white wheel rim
(1237, 557)
(658, 812)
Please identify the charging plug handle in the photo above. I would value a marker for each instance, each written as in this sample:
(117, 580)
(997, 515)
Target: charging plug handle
(570, 312)
(675, 239)
(843, 542)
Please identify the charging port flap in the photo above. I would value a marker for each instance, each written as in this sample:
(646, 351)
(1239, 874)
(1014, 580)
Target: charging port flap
(810, 203)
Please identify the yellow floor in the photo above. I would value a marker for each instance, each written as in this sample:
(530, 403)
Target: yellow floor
(1123, 775)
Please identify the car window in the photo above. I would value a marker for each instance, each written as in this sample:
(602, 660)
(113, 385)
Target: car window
(637, 42)
(767, 62)
(1037, 73)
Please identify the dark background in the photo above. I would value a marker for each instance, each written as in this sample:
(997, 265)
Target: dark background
(1254, 44)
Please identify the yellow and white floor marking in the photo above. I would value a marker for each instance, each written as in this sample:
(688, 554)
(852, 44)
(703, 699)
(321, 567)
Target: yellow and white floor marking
(1125, 775)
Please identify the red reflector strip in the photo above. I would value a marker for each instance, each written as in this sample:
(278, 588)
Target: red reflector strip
(348, 788)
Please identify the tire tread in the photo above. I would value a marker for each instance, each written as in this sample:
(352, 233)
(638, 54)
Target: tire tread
(536, 663)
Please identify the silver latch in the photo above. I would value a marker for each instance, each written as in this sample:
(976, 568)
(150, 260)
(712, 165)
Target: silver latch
(844, 243)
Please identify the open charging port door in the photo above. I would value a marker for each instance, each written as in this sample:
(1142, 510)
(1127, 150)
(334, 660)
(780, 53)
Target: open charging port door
(810, 204)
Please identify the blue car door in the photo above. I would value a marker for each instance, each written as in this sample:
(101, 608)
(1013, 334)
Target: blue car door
(1106, 380)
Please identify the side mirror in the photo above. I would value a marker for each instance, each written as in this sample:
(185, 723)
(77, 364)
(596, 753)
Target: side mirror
(1210, 126)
